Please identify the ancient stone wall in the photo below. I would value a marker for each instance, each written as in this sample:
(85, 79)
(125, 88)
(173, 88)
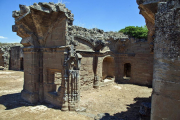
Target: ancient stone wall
(165, 96)
(141, 68)
(51, 71)
(121, 48)
(5, 54)
(50, 68)
(16, 58)
(60, 58)
(1, 58)
(166, 82)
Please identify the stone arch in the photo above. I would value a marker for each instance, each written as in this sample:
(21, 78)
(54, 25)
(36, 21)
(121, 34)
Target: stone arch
(108, 67)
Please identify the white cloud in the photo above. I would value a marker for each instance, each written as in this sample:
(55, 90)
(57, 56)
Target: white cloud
(1, 37)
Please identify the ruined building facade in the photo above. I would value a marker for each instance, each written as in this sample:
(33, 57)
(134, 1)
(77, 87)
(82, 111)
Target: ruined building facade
(60, 59)
(11, 56)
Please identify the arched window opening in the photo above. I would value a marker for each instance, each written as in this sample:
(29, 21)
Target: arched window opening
(127, 71)
(108, 68)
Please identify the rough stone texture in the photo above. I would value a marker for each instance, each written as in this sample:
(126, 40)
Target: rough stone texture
(5, 55)
(60, 59)
(145, 110)
(16, 58)
(148, 8)
(135, 53)
(51, 71)
(166, 73)
(118, 47)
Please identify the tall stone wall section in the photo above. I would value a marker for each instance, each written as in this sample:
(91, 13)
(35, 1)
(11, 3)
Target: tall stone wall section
(16, 58)
(60, 58)
(122, 49)
(5, 56)
(51, 64)
(166, 71)
(166, 80)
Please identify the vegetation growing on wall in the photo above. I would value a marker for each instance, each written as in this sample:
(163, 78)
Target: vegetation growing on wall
(136, 32)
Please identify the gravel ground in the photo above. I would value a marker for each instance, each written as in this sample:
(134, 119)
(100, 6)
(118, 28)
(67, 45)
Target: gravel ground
(119, 100)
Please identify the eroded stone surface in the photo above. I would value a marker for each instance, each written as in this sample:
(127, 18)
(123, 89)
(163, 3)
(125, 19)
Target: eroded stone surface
(60, 59)
(165, 97)
(10, 52)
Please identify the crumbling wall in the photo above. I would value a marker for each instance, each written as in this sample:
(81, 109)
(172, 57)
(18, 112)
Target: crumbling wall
(5, 54)
(141, 68)
(166, 80)
(15, 58)
(121, 48)
(148, 8)
(54, 50)
(1, 58)
(51, 69)
(5, 50)
(165, 96)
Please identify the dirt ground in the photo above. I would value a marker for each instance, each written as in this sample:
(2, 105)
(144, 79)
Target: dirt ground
(120, 100)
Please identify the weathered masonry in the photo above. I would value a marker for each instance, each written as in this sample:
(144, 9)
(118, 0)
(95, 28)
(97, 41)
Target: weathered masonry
(163, 20)
(11, 56)
(60, 59)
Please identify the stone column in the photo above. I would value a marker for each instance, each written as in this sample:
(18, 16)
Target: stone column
(30, 90)
(72, 91)
(96, 78)
(65, 78)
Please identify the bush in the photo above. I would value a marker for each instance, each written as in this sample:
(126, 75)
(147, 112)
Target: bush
(136, 32)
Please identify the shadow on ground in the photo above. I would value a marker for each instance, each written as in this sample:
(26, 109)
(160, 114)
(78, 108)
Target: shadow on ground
(12, 101)
(132, 112)
(149, 86)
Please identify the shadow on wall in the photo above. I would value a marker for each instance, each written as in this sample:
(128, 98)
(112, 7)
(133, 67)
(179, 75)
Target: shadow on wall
(132, 112)
(12, 101)
(108, 67)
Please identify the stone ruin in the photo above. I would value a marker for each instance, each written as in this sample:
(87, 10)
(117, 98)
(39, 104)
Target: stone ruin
(11, 56)
(162, 18)
(61, 59)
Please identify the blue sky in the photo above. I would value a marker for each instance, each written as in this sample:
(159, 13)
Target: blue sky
(109, 15)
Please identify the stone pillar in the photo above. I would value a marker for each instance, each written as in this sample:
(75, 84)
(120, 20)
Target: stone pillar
(65, 78)
(166, 78)
(30, 90)
(72, 79)
(96, 78)
(41, 89)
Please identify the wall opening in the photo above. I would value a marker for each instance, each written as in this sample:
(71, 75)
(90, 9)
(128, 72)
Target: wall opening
(127, 71)
(57, 80)
(21, 64)
(108, 68)
(54, 80)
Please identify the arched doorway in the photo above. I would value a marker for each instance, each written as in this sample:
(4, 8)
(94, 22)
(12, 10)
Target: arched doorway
(127, 71)
(108, 68)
